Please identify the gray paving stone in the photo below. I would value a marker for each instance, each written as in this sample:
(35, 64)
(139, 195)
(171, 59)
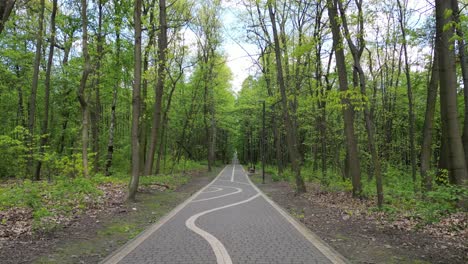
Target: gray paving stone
(252, 232)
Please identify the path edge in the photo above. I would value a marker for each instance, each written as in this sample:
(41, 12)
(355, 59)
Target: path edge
(334, 256)
(130, 245)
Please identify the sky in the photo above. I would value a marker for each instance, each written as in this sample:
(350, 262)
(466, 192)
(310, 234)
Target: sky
(240, 54)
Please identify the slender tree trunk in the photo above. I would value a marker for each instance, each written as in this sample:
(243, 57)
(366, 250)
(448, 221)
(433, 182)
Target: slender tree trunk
(289, 124)
(35, 81)
(110, 143)
(144, 93)
(159, 91)
(429, 122)
(45, 123)
(164, 125)
(133, 187)
(359, 73)
(448, 94)
(410, 97)
(350, 137)
(96, 110)
(82, 90)
(464, 71)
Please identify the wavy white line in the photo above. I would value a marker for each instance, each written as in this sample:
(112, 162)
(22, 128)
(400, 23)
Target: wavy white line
(222, 256)
(216, 190)
(238, 190)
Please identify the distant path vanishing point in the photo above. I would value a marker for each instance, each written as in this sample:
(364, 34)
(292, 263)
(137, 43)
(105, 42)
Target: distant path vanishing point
(228, 221)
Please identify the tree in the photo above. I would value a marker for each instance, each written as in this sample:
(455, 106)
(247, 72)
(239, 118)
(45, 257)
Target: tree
(35, 82)
(45, 124)
(136, 104)
(5, 10)
(402, 18)
(82, 89)
(448, 92)
(356, 51)
(290, 127)
(352, 160)
(159, 89)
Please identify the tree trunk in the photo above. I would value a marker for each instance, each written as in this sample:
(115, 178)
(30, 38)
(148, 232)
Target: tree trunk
(133, 187)
(82, 90)
(359, 73)
(410, 97)
(351, 141)
(110, 143)
(159, 89)
(426, 180)
(96, 110)
(35, 81)
(464, 71)
(289, 124)
(45, 123)
(448, 94)
(6, 7)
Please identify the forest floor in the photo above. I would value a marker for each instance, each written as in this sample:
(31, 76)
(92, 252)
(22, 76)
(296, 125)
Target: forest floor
(90, 237)
(363, 236)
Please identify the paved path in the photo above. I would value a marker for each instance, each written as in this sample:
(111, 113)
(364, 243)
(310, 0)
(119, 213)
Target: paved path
(228, 221)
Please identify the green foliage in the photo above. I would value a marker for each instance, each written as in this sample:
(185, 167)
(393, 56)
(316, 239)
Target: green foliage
(12, 157)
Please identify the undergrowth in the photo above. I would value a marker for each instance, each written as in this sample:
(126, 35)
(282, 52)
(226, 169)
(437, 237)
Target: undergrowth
(65, 196)
(400, 196)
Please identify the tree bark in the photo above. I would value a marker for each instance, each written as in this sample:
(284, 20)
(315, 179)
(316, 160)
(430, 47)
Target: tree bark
(159, 89)
(464, 71)
(110, 143)
(410, 97)
(133, 186)
(45, 123)
(448, 94)
(35, 81)
(350, 137)
(289, 124)
(369, 124)
(96, 110)
(431, 99)
(82, 90)
(6, 7)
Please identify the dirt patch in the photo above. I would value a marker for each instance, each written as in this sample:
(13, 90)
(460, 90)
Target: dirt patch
(90, 237)
(364, 238)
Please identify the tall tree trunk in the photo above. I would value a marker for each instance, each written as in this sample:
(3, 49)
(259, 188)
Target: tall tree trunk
(448, 94)
(96, 110)
(143, 134)
(6, 6)
(359, 73)
(35, 81)
(159, 91)
(133, 187)
(464, 71)
(289, 124)
(426, 179)
(45, 123)
(82, 90)
(110, 143)
(410, 96)
(350, 137)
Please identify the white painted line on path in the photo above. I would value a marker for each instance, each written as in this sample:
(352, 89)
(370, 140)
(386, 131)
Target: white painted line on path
(222, 256)
(216, 189)
(232, 176)
(325, 249)
(238, 190)
(134, 243)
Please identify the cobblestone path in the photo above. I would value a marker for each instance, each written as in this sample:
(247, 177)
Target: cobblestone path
(228, 221)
